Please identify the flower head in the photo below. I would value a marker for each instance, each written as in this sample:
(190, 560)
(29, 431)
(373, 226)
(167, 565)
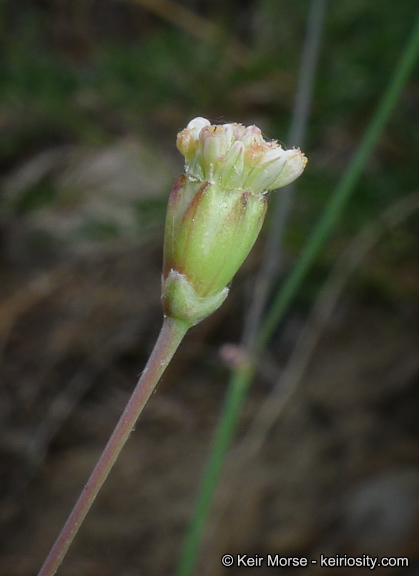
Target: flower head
(236, 157)
(216, 210)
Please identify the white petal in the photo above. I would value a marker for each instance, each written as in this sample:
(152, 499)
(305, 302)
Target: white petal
(263, 176)
(252, 135)
(230, 172)
(196, 126)
(294, 166)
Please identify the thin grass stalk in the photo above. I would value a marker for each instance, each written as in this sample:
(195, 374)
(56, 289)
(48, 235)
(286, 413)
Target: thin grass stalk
(235, 396)
(240, 380)
(282, 202)
(345, 188)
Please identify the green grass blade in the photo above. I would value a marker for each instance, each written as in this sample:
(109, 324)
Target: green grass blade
(343, 191)
(235, 395)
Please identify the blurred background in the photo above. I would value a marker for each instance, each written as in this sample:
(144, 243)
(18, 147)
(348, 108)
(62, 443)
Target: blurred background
(92, 95)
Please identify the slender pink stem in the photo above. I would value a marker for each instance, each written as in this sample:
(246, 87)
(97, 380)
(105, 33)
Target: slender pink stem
(170, 337)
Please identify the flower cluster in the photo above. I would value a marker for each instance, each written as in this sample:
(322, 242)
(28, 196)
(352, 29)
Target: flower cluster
(236, 157)
(216, 210)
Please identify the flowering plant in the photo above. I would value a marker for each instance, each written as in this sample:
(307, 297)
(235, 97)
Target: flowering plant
(215, 213)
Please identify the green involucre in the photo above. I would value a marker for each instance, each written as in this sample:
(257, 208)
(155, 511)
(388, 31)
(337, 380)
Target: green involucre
(209, 232)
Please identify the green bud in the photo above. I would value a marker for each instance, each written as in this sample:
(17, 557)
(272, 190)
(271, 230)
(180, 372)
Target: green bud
(216, 210)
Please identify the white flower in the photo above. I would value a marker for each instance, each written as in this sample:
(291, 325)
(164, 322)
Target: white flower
(236, 157)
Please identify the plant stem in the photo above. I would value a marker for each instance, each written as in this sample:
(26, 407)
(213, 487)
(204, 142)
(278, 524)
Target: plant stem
(170, 337)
